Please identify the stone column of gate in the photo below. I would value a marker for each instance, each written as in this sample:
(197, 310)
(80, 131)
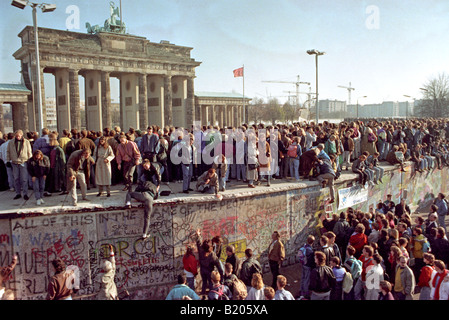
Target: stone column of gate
(235, 111)
(143, 102)
(190, 104)
(106, 111)
(168, 103)
(204, 115)
(22, 108)
(219, 110)
(75, 115)
(225, 115)
(19, 116)
(198, 114)
(212, 115)
(240, 115)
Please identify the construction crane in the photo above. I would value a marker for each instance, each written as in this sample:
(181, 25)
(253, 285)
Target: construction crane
(296, 83)
(309, 94)
(349, 91)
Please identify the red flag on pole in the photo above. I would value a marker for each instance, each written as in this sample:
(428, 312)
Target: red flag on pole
(238, 72)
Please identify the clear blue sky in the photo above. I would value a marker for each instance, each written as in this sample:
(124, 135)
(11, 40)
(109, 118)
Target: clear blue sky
(386, 49)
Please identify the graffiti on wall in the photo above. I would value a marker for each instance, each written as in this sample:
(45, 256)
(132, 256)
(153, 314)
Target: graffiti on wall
(148, 268)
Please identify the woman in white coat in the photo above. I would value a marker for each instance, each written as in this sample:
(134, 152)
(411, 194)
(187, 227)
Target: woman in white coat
(103, 155)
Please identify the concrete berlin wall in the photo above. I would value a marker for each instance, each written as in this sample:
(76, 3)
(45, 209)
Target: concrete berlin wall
(148, 268)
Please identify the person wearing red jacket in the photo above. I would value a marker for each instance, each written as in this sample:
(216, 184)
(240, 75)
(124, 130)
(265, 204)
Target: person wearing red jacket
(367, 262)
(426, 276)
(190, 264)
(358, 239)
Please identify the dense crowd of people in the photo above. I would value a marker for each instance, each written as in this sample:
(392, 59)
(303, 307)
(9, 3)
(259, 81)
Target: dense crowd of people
(212, 156)
(380, 255)
(352, 248)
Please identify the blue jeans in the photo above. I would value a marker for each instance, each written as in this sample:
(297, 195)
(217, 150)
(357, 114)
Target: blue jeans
(380, 147)
(387, 147)
(441, 221)
(294, 168)
(378, 173)
(241, 171)
(305, 281)
(191, 282)
(370, 173)
(10, 177)
(38, 187)
(187, 172)
(20, 174)
(429, 162)
(222, 183)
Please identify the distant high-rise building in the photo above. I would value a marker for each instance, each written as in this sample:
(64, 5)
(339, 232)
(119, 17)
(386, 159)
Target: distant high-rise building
(332, 109)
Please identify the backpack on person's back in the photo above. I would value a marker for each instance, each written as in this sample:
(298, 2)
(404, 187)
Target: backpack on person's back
(220, 293)
(348, 282)
(292, 151)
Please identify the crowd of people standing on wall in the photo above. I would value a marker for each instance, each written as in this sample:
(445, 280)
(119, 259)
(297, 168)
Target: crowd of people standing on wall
(384, 243)
(212, 156)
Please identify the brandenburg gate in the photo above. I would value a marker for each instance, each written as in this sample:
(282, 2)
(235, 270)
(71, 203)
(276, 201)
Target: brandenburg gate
(156, 79)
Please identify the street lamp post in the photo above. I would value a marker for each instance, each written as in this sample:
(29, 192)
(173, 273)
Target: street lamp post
(316, 53)
(21, 4)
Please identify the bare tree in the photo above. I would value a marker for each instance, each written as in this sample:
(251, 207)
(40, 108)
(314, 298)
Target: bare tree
(273, 111)
(289, 112)
(435, 102)
(256, 110)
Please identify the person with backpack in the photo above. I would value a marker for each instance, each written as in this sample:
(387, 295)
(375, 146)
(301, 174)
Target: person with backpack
(322, 278)
(218, 291)
(307, 262)
(229, 277)
(354, 266)
(249, 267)
(326, 249)
(294, 152)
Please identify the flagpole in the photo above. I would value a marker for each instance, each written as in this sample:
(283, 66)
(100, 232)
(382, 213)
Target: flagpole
(244, 113)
